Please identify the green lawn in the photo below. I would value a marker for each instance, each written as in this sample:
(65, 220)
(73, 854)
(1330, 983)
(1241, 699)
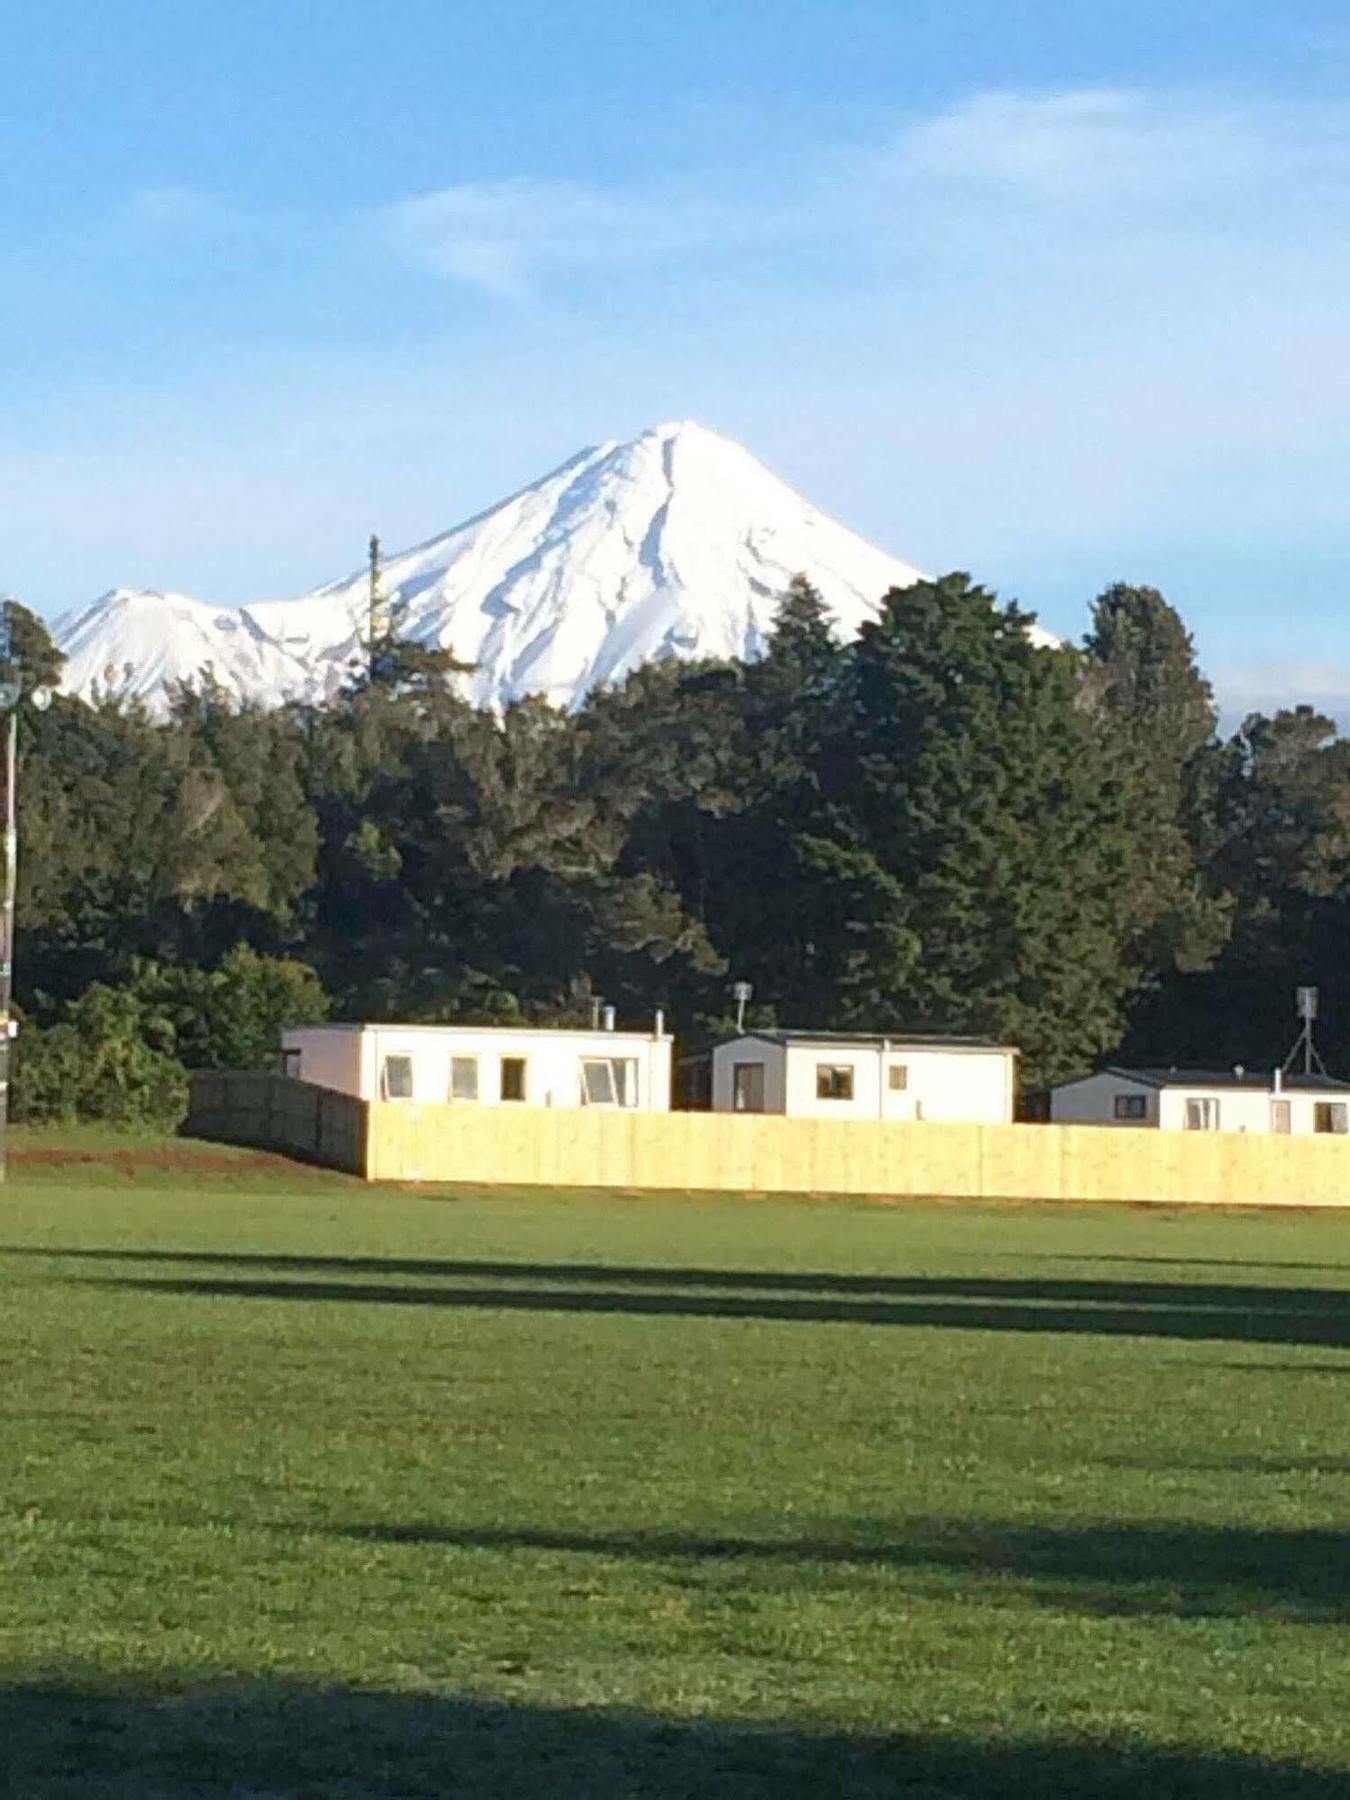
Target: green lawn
(308, 1488)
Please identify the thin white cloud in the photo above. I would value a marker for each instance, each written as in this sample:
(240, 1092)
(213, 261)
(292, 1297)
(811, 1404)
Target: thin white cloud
(504, 236)
(189, 216)
(1103, 141)
(1102, 159)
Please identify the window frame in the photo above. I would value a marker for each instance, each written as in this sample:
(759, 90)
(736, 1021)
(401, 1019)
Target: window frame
(601, 1064)
(1281, 1117)
(622, 1072)
(1331, 1118)
(457, 1065)
(835, 1082)
(518, 1065)
(1129, 1109)
(1210, 1113)
(902, 1085)
(386, 1085)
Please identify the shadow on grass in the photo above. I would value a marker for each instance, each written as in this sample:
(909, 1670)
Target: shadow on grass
(1194, 1262)
(1284, 1368)
(348, 1744)
(1235, 1465)
(1108, 1291)
(1203, 1311)
(1109, 1568)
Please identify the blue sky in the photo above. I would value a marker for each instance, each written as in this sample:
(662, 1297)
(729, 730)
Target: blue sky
(1059, 293)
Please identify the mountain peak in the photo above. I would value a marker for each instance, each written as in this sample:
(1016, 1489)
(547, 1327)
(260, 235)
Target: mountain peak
(691, 429)
(676, 543)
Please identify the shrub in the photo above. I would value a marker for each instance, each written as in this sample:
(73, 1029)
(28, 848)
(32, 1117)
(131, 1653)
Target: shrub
(107, 1058)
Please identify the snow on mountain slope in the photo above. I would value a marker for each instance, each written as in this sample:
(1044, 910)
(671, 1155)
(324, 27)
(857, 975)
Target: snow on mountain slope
(678, 543)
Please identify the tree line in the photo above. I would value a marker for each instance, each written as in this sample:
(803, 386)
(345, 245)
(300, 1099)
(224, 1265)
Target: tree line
(935, 826)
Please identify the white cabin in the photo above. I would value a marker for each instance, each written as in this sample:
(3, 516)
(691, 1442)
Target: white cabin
(1204, 1100)
(485, 1065)
(830, 1075)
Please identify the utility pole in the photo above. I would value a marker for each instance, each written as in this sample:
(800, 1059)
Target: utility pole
(378, 623)
(11, 878)
(11, 694)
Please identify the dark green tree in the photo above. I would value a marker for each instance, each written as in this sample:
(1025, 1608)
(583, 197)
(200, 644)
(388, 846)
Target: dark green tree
(1282, 857)
(972, 876)
(1157, 718)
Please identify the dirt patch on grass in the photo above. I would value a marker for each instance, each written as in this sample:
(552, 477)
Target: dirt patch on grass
(185, 1158)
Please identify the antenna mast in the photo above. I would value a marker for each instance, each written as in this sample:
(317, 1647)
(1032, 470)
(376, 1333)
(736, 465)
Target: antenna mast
(1306, 1006)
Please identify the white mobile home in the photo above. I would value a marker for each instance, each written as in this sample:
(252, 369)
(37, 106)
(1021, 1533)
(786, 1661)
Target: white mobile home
(831, 1075)
(485, 1065)
(1204, 1100)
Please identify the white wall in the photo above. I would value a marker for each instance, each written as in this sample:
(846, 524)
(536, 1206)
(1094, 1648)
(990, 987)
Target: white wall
(350, 1058)
(1092, 1102)
(1243, 1109)
(974, 1086)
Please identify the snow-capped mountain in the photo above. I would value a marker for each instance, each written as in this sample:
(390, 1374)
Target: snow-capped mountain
(678, 543)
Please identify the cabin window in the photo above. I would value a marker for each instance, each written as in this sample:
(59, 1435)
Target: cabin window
(1331, 1115)
(463, 1077)
(290, 1064)
(1132, 1106)
(608, 1081)
(747, 1087)
(513, 1078)
(899, 1077)
(834, 1081)
(1202, 1115)
(1281, 1117)
(396, 1078)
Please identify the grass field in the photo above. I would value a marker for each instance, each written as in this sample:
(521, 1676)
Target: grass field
(310, 1489)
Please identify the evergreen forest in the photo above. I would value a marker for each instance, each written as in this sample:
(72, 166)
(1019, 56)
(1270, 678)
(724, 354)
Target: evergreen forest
(937, 826)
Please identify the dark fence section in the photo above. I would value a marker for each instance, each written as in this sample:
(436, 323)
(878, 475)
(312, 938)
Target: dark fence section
(275, 1112)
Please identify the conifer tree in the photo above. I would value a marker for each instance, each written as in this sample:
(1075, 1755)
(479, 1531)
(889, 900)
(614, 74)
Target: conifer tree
(1157, 718)
(980, 844)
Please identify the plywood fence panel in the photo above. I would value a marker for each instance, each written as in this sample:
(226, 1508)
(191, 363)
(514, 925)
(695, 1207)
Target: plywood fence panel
(729, 1153)
(733, 1153)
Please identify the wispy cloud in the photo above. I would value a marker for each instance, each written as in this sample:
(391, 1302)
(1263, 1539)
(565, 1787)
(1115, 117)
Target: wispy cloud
(1101, 142)
(505, 236)
(1077, 167)
(1074, 166)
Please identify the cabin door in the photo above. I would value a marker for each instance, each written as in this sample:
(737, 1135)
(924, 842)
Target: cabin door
(747, 1087)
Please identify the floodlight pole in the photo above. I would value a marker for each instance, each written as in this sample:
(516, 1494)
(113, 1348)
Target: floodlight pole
(9, 891)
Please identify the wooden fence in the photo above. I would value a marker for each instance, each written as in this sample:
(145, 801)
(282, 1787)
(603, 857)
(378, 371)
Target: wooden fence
(274, 1112)
(729, 1153)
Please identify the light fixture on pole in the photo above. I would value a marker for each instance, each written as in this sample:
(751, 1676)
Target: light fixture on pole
(12, 695)
(740, 993)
